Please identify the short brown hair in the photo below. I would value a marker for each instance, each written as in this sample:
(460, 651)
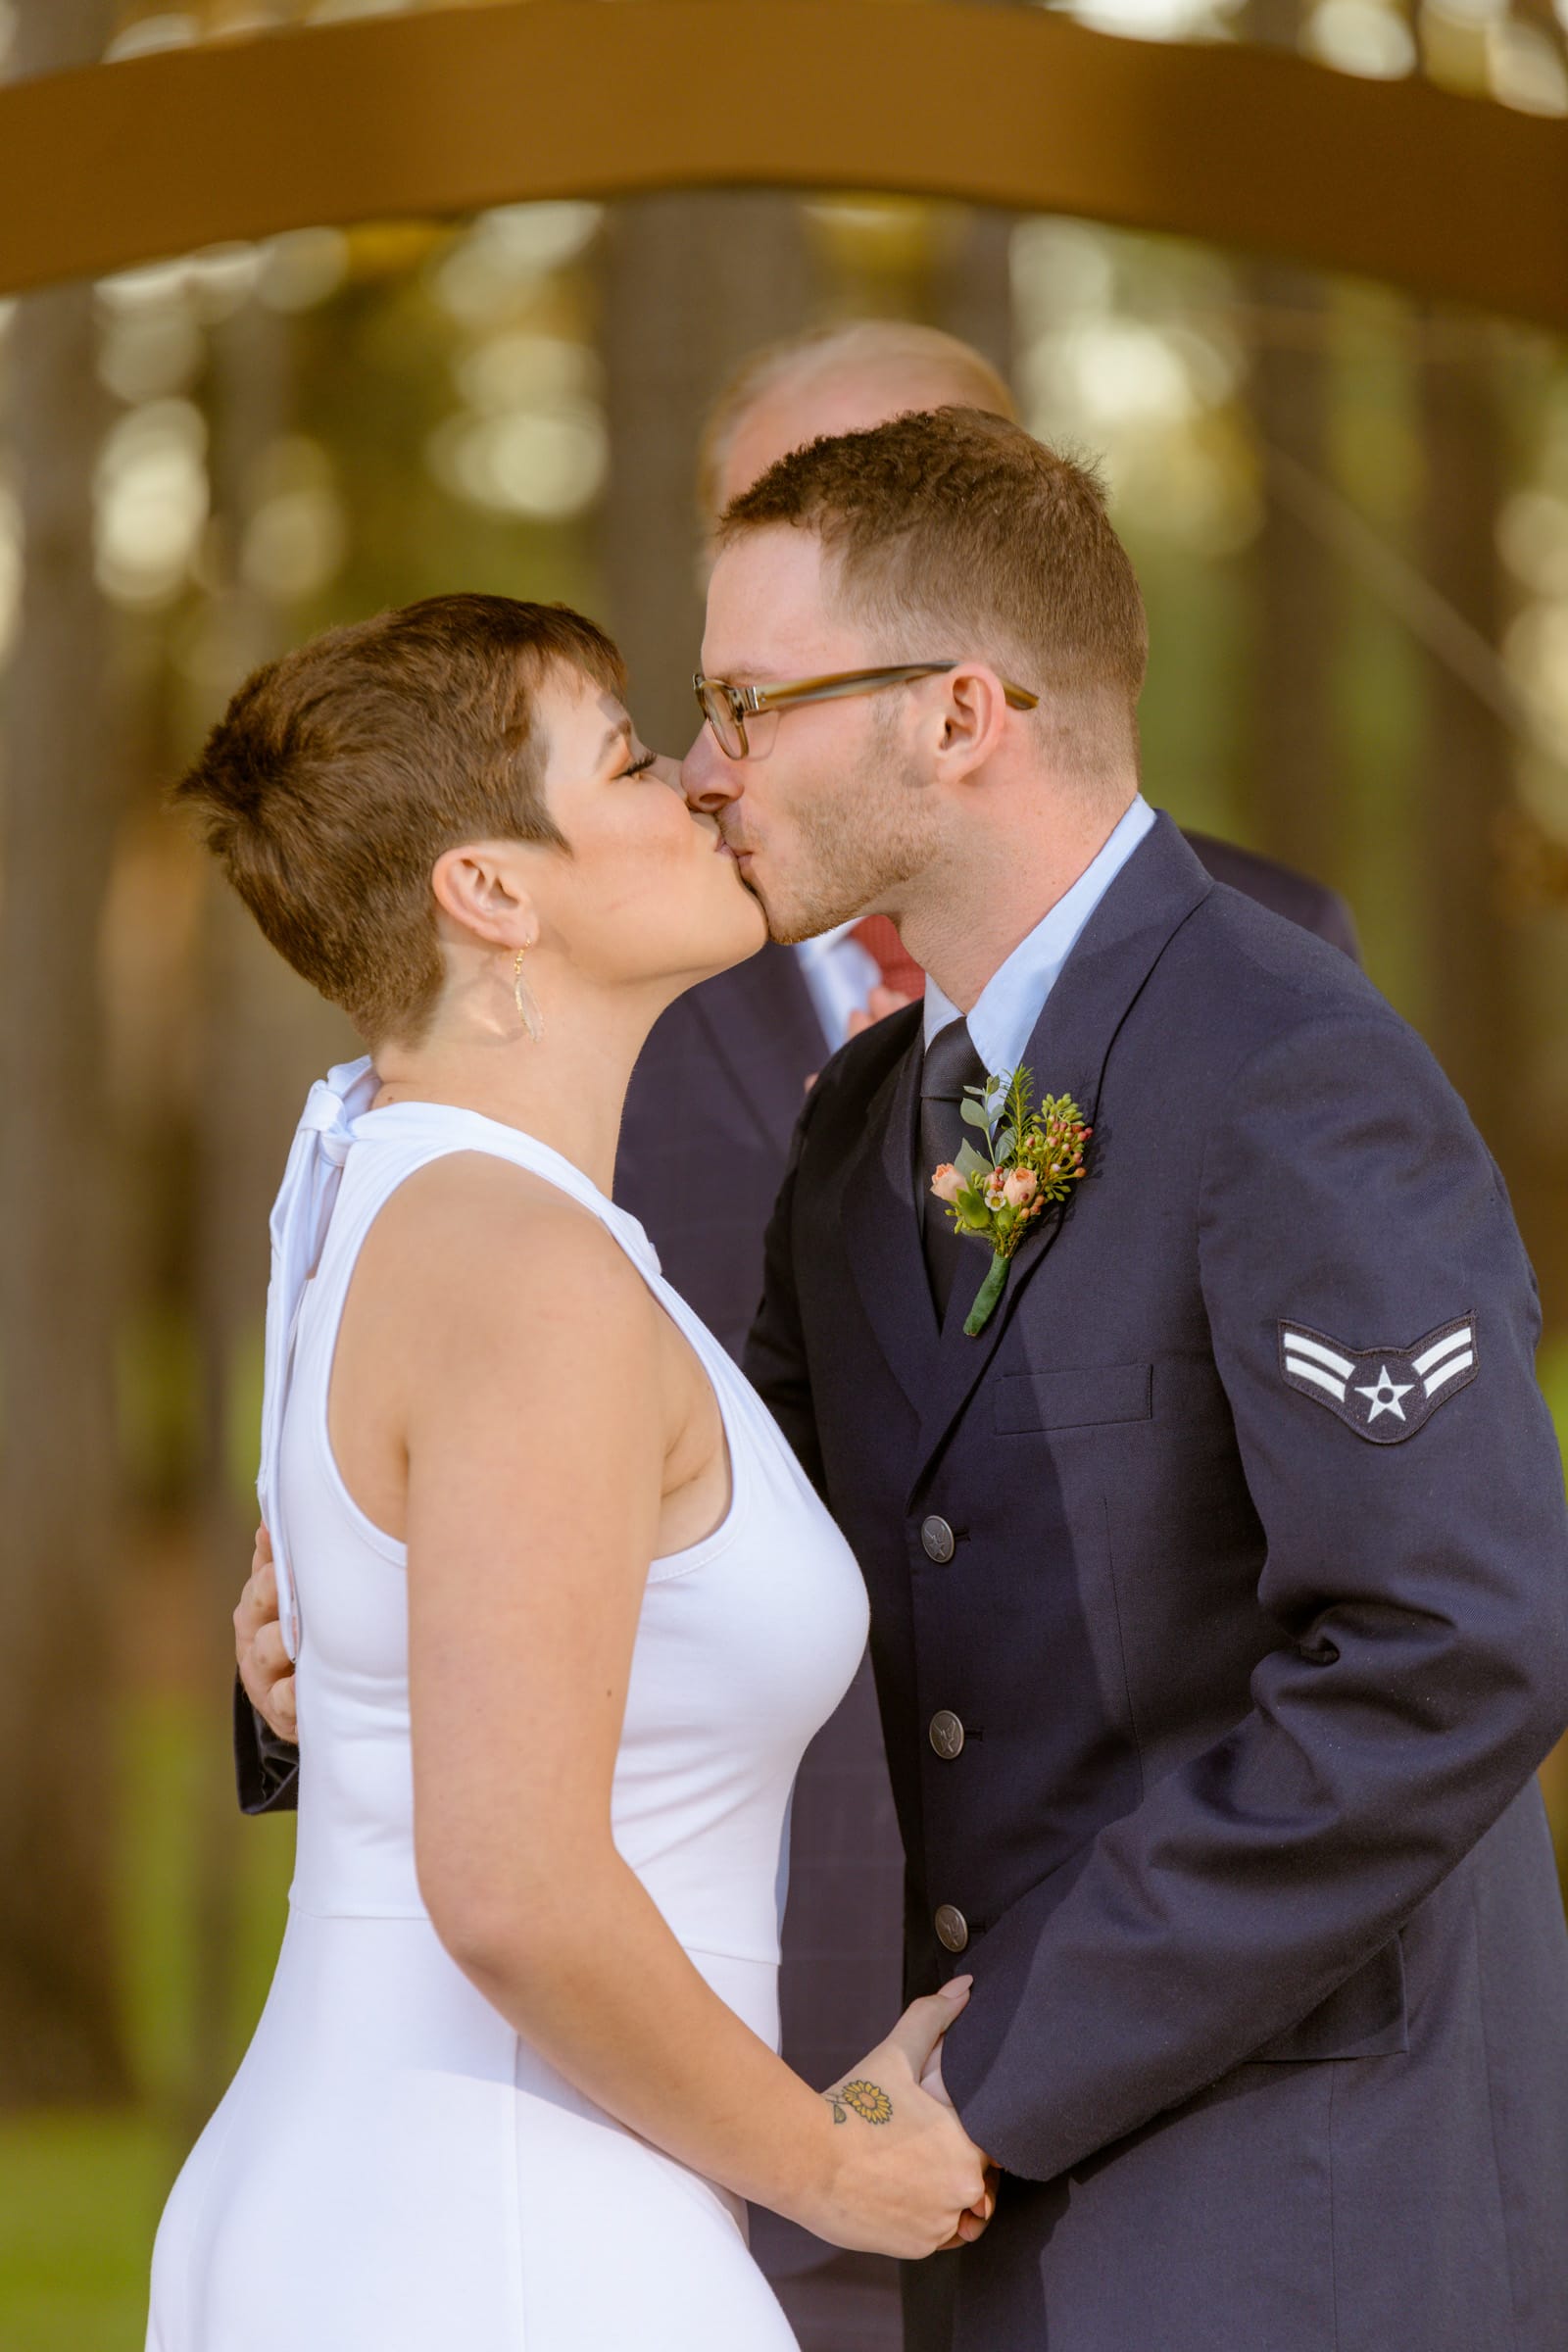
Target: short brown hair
(340, 773)
(872, 344)
(954, 533)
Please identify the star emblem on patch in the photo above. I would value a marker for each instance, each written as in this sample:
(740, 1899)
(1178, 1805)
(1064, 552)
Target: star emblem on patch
(1384, 1393)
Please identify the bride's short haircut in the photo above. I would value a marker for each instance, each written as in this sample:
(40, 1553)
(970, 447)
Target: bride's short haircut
(953, 534)
(341, 772)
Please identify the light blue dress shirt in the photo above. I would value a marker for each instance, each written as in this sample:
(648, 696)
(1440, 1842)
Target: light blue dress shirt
(1012, 999)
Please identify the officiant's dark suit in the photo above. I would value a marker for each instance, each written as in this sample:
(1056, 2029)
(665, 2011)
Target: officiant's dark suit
(1219, 1620)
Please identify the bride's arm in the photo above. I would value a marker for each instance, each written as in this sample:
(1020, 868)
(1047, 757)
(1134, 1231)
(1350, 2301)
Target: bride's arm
(536, 1438)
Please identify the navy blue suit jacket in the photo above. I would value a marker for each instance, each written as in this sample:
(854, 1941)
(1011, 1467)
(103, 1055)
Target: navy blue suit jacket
(1270, 2018)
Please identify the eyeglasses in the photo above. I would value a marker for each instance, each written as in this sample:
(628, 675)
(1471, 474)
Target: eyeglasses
(726, 707)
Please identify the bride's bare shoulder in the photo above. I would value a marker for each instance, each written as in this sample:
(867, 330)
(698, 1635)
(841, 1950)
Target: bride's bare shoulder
(482, 1232)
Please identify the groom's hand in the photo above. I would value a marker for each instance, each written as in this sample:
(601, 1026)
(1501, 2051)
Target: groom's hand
(265, 1668)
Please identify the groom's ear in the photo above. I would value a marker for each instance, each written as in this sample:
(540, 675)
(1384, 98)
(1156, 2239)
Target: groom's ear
(973, 711)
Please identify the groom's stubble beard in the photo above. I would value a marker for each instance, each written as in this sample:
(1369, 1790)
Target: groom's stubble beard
(874, 832)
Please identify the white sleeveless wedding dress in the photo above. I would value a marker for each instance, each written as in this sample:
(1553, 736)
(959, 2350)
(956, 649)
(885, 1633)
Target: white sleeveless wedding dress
(393, 2169)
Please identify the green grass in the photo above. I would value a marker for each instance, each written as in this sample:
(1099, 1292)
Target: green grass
(80, 2197)
(80, 2193)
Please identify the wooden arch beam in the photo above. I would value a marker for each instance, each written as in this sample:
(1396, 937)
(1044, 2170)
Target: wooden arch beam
(451, 110)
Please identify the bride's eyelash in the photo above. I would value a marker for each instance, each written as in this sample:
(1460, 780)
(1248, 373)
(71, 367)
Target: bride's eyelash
(639, 768)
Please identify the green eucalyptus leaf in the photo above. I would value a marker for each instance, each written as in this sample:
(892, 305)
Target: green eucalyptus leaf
(973, 1114)
(969, 1161)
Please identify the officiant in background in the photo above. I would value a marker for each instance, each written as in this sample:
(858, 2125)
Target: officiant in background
(1349, 513)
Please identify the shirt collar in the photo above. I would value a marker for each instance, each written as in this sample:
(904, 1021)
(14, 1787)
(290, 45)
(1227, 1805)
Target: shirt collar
(1005, 1013)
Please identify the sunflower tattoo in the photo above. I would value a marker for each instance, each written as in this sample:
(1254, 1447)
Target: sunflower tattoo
(867, 2099)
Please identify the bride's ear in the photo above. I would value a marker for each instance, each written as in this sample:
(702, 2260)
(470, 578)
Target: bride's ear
(482, 889)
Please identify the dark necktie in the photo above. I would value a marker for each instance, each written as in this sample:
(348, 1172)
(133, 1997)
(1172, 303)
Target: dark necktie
(951, 1064)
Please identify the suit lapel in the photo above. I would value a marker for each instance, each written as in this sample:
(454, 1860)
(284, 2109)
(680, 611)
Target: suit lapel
(881, 1225)
(763, 1027)
(1120, 945)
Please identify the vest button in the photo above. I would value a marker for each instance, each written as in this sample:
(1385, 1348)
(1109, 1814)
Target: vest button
(946, 1735)
(937, 1540)
(952, 1928)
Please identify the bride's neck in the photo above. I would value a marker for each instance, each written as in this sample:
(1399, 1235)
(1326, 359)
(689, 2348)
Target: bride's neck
(567, 1088)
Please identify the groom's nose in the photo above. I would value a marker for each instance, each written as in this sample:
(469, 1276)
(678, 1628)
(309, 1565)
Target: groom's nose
(709, 780)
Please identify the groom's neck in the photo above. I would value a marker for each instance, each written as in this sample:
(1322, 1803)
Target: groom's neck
(969, 910)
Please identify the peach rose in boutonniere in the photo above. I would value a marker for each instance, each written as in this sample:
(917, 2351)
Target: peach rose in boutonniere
(1033, 1158)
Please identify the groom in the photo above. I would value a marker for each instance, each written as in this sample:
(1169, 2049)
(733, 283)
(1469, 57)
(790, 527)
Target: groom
(1220, 1584)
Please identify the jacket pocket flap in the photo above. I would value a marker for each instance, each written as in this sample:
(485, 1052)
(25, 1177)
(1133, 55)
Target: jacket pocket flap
(1365, 2019)
(1073, 1398)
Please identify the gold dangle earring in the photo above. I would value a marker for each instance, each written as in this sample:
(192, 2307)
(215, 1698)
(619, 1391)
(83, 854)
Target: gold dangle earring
(522, 997)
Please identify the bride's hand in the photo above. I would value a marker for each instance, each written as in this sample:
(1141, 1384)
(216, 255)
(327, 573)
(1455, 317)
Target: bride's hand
(904, 2177)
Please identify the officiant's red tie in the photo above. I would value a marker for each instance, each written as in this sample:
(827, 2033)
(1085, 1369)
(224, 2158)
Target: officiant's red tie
(880, 939)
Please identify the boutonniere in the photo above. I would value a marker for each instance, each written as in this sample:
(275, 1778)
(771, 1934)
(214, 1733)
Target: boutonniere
(1033, 1156)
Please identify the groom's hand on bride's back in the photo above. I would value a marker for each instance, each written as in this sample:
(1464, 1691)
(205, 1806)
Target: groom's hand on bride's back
(265, 1668)
(906, 2176)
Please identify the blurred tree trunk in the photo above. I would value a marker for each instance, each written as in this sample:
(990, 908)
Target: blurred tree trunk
(972, 292)
(1293, 777)
(239, 1147)
(691, 286)
(972, 296)
(60, 2029)
(1467, 764)
(1296, 771)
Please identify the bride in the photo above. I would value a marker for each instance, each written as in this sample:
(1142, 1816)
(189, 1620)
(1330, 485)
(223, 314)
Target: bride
(565, 1610)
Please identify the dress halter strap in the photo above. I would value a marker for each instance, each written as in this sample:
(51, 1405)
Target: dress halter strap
(300, 1217)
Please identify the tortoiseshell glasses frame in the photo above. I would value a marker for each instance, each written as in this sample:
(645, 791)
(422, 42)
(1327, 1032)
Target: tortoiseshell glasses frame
(726, 707)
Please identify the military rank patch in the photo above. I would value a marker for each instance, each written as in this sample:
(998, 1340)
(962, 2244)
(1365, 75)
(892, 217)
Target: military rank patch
(1385, 1394)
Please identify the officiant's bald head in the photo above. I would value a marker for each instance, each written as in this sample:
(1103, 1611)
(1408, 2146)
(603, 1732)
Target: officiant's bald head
(830, 381)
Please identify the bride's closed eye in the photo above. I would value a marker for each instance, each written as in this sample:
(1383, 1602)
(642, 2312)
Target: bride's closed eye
(639, 767)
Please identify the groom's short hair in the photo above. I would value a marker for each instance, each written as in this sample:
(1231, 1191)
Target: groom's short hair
(953, 533)
(341, 772)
